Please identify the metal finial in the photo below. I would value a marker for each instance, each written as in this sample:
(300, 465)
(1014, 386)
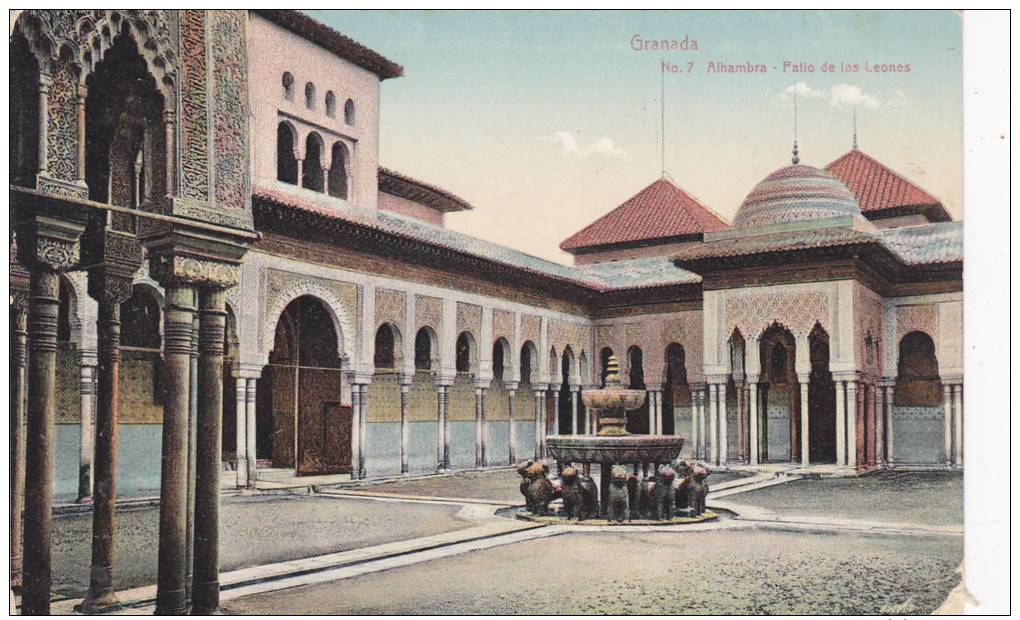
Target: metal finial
(855, 126)
(795, 159)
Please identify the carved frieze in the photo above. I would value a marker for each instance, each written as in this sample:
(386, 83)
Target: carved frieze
(390, 307)
(190, 270)
(503, 325)
(469, 318)
(428, 313)
(918, 317)
(752, 313)
(531, 329)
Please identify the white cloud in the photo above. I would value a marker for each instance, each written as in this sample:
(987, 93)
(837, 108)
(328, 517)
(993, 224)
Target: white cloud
(844, 96)
(848, 95)
(600, 147)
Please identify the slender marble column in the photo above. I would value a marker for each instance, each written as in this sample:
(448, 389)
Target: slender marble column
(724, 439)
(741, 424)
(586, 414)
(871, 413)
(511, 430)
(442, 442)
(355, 431)
(574, 400)
(947, 406)
(713, 418)
(363, 434)
(104, 518)
(178, 319)
(539, 423)
(241, 431)
(189, 549)
(42, 404)
(19, 359)
(79, 159)
(753, 402)
(405, 427)
(44, 124)
(86, 389)
(170, 156)
(851, 423)
(841, 423)
(958, 423)
(805, 458)
(556, 410)
(479, 427)
(879, 424)
(695, 436)
(212, 327)
(890, 454)
(250, 430)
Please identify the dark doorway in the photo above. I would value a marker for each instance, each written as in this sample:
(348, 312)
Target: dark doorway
(821, 401)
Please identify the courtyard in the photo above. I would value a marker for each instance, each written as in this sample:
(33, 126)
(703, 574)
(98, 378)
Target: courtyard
(887, 543)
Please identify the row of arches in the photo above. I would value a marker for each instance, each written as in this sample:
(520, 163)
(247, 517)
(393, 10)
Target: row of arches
(312, 171)
(311, 100)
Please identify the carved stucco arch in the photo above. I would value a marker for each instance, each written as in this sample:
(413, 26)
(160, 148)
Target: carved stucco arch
(342, 323)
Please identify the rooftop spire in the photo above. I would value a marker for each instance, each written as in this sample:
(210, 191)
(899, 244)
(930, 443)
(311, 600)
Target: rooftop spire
(795, 159)
(855, 125)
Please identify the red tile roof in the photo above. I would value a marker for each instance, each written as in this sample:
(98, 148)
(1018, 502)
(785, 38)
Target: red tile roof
(660, 211)
(878, 188)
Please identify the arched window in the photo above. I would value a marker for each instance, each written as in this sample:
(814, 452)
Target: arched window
(311, 171)
(330, 104)
(527, 355)
(286, 163)
(423, 350)
(310, 96)
(288, 86)
(917, 373)
(637, 370)
(349, 112)
(604, 356)
(465, 352)
(338, 171)
(139, 319)
(384, 347)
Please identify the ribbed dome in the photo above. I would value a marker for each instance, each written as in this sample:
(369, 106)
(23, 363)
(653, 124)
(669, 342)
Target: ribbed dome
(796, 193)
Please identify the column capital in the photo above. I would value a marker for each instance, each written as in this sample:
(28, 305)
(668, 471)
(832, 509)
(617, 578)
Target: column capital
(48, 242)
(717, 379)
(511, 385)
(752, 379)
(951, 379)
(88, 357)
(803, 377)
(247, 370)
(846, 376)
(653, 387)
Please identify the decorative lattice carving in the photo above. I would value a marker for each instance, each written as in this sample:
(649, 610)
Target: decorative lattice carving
(340, 298)
(194, 116)
(531, 329)
(390, 307)
(503, 325)
(919, 317)
(230, 109)
(752, 313)
(868, 332)
(469, 319)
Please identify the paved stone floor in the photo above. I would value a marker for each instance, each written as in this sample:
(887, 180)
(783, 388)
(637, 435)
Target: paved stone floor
(254, 531)
(718, 572)
(929, 497)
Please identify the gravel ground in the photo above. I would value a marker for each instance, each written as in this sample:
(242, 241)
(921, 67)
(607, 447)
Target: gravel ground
(928, 498)
(719, 572)
(253, 531)
(501, 485)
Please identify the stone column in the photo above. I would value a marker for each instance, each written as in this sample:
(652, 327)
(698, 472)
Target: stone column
(178, 318)
(250, 428)
(442, 440)
(363, 432)
(556, 412)
(241, 431)
(840, 422)
(720, 407)
(19, 359)
(539, 422)
(511, 431)
(79, 160)
(586, 414)
(851, 422)
(741, 423)
(575, 402)
(355, 431)
(695, 437)
(878, 413)
(109, 291)
(713, 417)
(479, 427)
(947, 407)
(958, 424)
(805, 457)
(300, 172)
(170, 156)
(209, 453)
(405, 427)
(86, 389)
(44, 124)
(753, 427)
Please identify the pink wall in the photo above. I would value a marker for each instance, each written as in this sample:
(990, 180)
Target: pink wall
(272, 50)
(403, 206)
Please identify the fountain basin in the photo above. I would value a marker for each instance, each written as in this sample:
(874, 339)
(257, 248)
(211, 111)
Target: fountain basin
(614, 449)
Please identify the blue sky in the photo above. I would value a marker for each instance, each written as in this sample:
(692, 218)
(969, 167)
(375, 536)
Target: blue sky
(547, 120)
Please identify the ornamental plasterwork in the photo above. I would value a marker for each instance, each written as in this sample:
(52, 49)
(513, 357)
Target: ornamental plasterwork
(752, 313)
(633, 335)
(915, 318)
(603, 337)
(531, 329)
(428, 312)
(503, 325)
(194, 271)
(564, 333)
(282, 287)
(390, 307)
(868, 314)
(469, 319)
